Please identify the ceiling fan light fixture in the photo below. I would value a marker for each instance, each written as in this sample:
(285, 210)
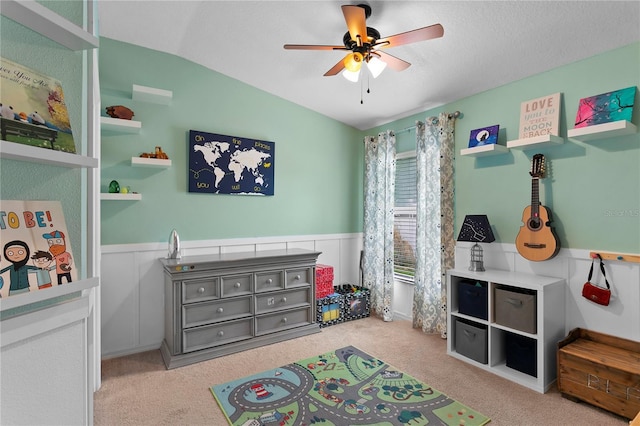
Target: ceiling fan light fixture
(353, 61)
(376, 66)
(352, 76)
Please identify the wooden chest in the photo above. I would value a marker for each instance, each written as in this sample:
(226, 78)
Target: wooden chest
(602, 370)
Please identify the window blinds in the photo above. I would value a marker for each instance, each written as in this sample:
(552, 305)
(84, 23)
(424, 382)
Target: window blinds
(404, 233)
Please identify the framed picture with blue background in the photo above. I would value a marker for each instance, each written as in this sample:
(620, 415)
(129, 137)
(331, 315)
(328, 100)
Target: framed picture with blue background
(484, 136)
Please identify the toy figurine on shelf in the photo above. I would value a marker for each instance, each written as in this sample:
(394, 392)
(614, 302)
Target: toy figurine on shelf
(114, 187)
(119, 111)
(159, 154)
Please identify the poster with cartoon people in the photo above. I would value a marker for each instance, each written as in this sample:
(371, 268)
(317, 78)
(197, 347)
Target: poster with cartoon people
(35, 249)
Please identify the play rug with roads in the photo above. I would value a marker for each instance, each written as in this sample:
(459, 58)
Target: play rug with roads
(342, 387)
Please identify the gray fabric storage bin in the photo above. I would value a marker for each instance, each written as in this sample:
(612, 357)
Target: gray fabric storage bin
(515, 309)
(471, 340)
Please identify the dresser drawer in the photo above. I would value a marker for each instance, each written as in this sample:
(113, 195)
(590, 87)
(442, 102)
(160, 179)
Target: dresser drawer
(236, 285)
(215, 311)
(269, 281)
(206, 336)
(296, 277)
(200, 289)
(282, 320)
(279, 300)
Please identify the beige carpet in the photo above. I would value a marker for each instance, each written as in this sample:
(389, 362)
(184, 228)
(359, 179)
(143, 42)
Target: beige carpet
(138, 390)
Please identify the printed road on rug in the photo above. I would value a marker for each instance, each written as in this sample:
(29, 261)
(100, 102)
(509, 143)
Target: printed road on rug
(343, 387)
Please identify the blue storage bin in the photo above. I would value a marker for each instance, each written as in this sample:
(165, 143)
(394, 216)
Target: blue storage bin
(522, 354)
(472, 299)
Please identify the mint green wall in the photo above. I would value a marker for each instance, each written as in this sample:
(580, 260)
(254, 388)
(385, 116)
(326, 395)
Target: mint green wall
(318, 175)
(21, 180)
(592, 188)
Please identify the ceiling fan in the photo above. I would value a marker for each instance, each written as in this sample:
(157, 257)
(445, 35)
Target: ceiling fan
(365, 44)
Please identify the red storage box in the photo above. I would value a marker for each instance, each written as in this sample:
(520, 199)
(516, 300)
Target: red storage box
(324, 281)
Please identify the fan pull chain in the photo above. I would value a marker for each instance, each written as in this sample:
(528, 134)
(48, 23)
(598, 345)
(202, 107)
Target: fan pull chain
(361, 89)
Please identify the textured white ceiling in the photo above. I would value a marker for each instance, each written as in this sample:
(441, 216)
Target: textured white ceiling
(486, 44)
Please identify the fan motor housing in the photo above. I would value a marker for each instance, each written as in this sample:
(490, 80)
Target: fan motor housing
(372, 36)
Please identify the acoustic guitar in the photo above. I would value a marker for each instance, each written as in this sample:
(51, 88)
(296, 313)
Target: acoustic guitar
(536, 240)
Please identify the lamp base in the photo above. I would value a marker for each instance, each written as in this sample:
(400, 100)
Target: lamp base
(476, 266)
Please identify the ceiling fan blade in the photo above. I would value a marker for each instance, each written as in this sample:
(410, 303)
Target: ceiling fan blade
(312, 47)
(335, 69)
(420, 34)
(356, 22)
(394, 63)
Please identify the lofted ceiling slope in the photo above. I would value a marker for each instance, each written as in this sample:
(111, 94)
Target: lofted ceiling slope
(486, 44)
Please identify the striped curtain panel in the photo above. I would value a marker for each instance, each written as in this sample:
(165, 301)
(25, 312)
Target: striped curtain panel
(434, 215)
(379, 189)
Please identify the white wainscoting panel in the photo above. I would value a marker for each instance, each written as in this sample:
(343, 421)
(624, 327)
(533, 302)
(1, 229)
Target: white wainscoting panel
(132, 281)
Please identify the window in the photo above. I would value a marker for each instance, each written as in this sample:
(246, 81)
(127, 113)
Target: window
(404, 226)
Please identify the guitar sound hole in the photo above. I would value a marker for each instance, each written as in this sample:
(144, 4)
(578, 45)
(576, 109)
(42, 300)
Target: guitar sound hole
(534, 224)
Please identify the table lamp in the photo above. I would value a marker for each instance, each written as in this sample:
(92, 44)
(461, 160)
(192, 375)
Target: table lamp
(476, 229)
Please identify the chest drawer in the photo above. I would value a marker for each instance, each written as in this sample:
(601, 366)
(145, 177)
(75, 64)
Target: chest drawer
(282, 320)
(200, 289)
(215, 311)
(296, 277)
(269, 281)
(236, 285)
(206, 336)
(269, 302)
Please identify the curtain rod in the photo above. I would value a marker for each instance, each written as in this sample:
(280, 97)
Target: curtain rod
(456, 114)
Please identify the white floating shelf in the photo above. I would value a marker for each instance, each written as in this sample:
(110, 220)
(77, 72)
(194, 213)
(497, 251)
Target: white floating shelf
(49, 24)
(535, 142)
(150, 162)
(119, 125)
(150, 94)
(120, 197)
(485, 150)
(603, 131)
(34, 154)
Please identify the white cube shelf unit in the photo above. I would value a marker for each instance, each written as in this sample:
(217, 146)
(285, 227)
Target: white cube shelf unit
(549, 296)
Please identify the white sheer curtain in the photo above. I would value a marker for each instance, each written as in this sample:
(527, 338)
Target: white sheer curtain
(379, 188)
(434, 213)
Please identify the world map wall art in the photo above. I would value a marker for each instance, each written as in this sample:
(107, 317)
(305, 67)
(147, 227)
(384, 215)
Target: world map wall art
(221, 164)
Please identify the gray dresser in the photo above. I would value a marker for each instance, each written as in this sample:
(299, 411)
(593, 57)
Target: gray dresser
(216, 305)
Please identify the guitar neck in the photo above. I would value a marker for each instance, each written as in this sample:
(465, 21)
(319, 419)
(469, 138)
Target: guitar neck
(535, 197)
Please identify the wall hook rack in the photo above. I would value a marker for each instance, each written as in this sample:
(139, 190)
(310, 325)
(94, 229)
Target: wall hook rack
(622, 257)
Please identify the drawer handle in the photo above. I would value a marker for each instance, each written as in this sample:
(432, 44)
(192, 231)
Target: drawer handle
(469, 334)
(201, 290)
(514, 302)
(284, 300)
(220, 310)
(269, 281)
(284, 320)
(237, 285)
(220, 333)
(297, 277)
